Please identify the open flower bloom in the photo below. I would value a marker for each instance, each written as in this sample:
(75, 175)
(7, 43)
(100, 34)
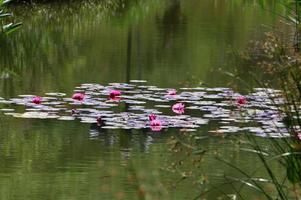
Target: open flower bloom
(36, 100)
(115, 95)
(172, 92)
(241, 101)
(178, 108)
(156, 125)
(78, 96)
(152, 117)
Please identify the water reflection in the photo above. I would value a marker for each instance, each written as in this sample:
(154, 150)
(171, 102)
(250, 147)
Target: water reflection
(171, 23)
(181, 40)
(170, 43)
(70, 157)
(126, 140)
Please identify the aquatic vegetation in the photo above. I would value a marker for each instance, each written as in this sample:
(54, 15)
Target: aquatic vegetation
(74, 111)
(142, 104)
(178, 108)
(115, 95)
(275, 60)
(172, 92)
(37, 100)
(99, 121)
(241, 101)
(156, 125)
(10, 27)
(78, 96)
(202, 106)
(152, 117)
(299, 136)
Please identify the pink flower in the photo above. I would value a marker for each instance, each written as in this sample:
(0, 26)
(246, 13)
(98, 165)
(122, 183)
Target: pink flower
(152, 117)
(36, 100)
(115, 95)
(78, 96)
(156, 125)
(178, 108)
(172, 92)
(241, 101)
(299, 136)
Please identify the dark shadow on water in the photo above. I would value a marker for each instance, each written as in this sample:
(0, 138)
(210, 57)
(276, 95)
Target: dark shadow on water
(171, 23)
(128, 139)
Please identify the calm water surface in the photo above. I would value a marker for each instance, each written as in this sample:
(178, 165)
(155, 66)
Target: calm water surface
(168, 43)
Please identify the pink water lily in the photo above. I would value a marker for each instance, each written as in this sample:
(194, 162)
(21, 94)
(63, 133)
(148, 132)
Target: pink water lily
(172, 92)
(156, 125)
(299, 136)
(152, 117)
(78, 96)
(114, 95)
(241, 101)
(36, 100)
(178, 108)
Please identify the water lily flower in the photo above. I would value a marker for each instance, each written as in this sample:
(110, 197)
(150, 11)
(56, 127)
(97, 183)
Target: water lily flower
(114, 95)
(299, 136)
(156, 125)
(172, 92)
(78, 96)
(241, 101)
(152, 117)
(178, 108)
(36, 100)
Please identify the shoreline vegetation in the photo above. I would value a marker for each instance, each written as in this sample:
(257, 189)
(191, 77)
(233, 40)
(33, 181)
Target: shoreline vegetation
(280, 61)
(7, 26)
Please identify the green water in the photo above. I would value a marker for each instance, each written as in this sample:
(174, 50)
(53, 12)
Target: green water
(168, 43)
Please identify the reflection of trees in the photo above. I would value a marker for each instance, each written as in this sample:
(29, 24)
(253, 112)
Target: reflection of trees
(124, 139)
(58, 160)
(171, 22)
(129, 55)
(58, 47)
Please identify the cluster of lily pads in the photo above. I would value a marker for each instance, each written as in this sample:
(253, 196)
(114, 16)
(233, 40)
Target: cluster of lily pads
(135, 105)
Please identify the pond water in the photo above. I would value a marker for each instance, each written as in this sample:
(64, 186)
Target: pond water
(171, 44)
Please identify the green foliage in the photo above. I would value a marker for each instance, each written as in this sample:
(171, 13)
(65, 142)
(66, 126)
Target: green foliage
(7, 28)
(279, 61)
